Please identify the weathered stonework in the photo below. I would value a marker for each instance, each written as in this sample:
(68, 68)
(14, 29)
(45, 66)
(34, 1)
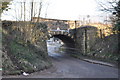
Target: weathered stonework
(85, 38)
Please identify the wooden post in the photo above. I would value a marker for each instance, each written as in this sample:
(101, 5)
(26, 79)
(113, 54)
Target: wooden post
(100, 33)
(75, 33)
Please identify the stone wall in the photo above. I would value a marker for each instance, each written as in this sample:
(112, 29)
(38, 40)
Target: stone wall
(53, 24)
(85, 38)
(89, 43)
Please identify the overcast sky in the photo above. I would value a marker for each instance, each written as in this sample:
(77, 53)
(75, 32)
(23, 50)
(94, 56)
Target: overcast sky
(59, 9)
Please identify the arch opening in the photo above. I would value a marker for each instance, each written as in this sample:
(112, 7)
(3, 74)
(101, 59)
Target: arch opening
(68, 41)
(60, 44)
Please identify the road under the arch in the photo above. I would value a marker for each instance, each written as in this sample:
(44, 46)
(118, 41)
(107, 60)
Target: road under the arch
(65, 66)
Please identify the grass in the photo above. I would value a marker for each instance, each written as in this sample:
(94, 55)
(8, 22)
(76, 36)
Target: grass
(0, 29)
(21, 55)
(113, 61)
(23, 52)
(26, 58)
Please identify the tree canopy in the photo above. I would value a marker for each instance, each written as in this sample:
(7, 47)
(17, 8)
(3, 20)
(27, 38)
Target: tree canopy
(4, 6)
(113, 7)
(117, 16)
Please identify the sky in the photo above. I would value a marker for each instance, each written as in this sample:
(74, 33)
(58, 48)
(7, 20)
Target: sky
(71, 9)
(57, 9)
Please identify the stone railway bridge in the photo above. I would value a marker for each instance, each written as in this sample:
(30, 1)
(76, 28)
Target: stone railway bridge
(81, 38)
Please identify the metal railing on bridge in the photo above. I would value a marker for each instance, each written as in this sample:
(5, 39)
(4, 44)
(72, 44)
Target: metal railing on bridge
(60, 30)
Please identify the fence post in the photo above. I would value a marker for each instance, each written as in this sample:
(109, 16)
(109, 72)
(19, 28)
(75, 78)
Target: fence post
(101, 34)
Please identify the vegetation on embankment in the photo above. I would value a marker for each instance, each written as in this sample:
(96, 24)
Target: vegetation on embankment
(105, 49)
(21, 54)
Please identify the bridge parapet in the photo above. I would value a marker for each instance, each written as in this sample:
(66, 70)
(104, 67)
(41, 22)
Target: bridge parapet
(61, 32)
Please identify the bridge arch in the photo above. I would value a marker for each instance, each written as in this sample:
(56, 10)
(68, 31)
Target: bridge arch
(67, 40)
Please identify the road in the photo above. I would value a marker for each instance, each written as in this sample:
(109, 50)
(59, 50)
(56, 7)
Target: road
(65, 66)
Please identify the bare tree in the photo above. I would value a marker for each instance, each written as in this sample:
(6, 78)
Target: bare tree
(108, 5)
(32, 9)
(113, 7)
(21, 10)
(24, 12)
(28, 31)
(40, 7)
